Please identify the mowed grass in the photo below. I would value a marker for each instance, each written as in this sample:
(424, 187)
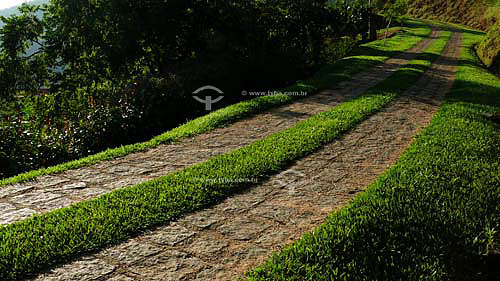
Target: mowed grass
(31, 245)
(365, 56)
(433, 216)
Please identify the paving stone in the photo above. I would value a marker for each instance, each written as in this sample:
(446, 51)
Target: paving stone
(127, 170)
(100, 179)
(11, 190)
(276, 237)
(252, 253)
(83, 173)
(87, 193)
(86, 269)
(278, 213)
(212, 273)
(169, 265)
(148, 164)
(242, 229)
(235, 205)
(121, 277)
(166, 170)
(16, 215)
(57, 203)
(208, 246)
(242, 260)
(49, 181)
(126, 182)
(131, 252)
(202, 220)
(77, 185)
(67, 189)
(34, 198)
(6, 207)
(170, 235)
(102, 165)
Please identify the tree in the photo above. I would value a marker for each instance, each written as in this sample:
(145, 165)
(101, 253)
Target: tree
(19, 70)
(392, 10)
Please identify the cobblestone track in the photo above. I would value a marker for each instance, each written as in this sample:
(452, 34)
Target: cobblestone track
(46, 193)
(222, 242)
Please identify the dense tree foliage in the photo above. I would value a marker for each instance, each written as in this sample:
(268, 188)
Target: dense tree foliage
(118, 71)
(18, 71)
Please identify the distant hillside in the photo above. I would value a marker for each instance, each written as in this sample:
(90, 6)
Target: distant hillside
(9, 11)
(13, 10)
(481, 14)
(474, 13)
(489, 49)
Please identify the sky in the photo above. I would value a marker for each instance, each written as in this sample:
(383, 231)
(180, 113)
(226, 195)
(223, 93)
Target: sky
(4, 4)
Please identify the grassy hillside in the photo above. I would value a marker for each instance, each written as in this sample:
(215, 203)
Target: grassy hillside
(489, 49)
(481, 14)
(474, 13)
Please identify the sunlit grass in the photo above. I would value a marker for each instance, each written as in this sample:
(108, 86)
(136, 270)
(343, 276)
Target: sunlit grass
(431, 214)
(31, 245)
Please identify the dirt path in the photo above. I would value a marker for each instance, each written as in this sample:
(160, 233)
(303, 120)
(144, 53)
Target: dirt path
(47, 193)
(222, 242)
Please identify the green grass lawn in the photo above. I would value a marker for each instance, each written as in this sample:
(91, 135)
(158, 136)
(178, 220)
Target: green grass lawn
(364, 57)
(113, 217)
(432, 216)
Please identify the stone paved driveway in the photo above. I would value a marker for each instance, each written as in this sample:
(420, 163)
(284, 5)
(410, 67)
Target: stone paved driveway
(222, 242)
(46, 193)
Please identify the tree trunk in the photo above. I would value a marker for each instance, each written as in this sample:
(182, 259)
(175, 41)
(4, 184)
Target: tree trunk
(387, 30)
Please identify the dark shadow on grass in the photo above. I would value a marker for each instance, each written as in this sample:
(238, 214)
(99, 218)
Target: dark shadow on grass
(478, 268)
(463, 30)
(484, 95)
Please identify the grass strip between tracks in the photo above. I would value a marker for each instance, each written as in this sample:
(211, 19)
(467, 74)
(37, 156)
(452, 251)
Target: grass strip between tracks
(432, 216)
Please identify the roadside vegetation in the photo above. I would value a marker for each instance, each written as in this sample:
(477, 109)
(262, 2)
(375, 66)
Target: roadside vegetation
(113, 217)
(432, 216)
